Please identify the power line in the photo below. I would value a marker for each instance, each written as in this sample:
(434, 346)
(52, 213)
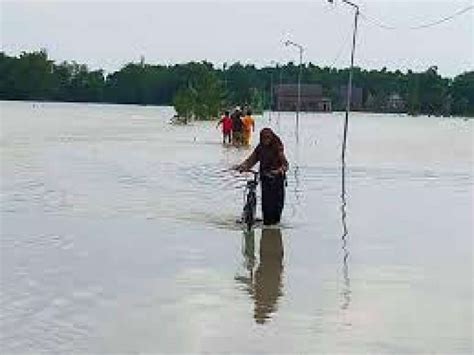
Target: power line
(376, 22)
(340, 51)
(380, 24)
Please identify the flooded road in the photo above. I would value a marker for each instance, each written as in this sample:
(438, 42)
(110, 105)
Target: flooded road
(119, 234)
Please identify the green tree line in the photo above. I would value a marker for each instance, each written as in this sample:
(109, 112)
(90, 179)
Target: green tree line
(207, 89)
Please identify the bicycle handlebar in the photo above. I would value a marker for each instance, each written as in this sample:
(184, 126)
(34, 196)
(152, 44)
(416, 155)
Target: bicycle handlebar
(254, 172)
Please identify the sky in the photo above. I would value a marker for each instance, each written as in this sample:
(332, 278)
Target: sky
(108, 34)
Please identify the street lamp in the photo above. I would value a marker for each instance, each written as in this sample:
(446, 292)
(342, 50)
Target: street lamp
(301, 49)
(349, 85)
(344, 238)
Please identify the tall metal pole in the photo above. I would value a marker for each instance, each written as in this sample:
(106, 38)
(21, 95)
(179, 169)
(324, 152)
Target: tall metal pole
(298, 105)
(349, 85)
(281, 83)
(271, 87)
(349, 93)
(346, 292)
(224, 67)
(278, 98)
(299, 90)
(271, 95)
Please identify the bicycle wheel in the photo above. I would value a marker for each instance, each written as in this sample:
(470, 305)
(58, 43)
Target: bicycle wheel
(249, 210)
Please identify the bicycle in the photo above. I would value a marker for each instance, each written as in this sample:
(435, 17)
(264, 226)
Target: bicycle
(250, 201)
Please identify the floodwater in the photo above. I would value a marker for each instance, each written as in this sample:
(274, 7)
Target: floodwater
(119, 234)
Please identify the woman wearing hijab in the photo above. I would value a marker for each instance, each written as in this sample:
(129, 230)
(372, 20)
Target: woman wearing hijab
(273, 166)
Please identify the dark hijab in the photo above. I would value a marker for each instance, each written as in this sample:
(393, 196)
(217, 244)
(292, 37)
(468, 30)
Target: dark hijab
(270, 153)
(275, 142)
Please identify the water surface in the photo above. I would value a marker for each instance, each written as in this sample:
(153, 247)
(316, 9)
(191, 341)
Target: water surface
(118, 234)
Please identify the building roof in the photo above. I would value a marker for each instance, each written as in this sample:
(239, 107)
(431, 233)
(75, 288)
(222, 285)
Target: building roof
(292, 90)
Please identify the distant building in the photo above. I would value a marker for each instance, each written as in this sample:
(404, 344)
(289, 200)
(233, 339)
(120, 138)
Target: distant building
(356, 97)
(395, 103)
(371, 102)
(311, 98)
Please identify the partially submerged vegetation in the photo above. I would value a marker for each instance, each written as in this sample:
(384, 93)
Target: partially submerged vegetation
(201, 98)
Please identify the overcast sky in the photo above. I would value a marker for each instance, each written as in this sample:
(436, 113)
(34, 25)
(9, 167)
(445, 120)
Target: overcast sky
(107, 34)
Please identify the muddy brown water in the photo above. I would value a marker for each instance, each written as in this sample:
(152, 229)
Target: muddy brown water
(118, 234)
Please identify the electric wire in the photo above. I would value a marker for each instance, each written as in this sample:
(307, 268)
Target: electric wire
(340, 51)
(380, 24)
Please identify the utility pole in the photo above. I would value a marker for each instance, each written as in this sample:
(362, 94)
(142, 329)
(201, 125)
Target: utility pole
(349, 85)
(272, 87)
(298, 105)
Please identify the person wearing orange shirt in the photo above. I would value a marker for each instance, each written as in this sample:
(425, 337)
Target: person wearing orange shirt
(248, 127)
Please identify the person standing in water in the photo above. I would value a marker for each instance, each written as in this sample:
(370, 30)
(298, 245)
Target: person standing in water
(273, 166)
(248, 127)
(226, 123)
(237, 126)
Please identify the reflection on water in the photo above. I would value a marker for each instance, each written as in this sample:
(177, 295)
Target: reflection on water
(346, 291)
(295, 182)
(268, 285)
(248, 253)
(263, 284)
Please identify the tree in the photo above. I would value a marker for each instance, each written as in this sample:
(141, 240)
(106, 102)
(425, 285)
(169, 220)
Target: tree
(462, 94)
(184, 103)
(202, 96)
(27, 77)
(200, 90)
